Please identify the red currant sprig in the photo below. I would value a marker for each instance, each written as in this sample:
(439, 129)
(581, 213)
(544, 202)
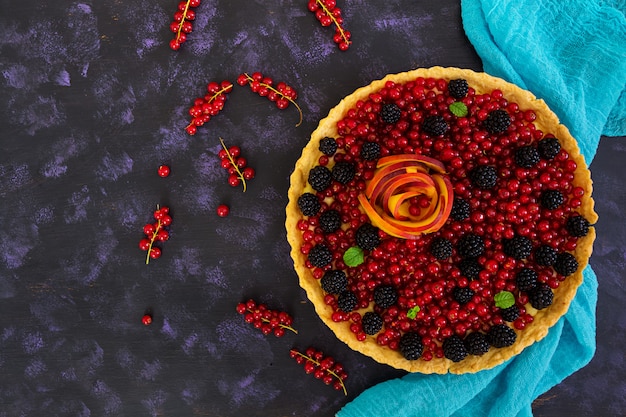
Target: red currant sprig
(282, 94)
(322, 367)
(327, 12)
(236, 165)
(156, 232)
(181, 25)
(208, 106)
(268, 321)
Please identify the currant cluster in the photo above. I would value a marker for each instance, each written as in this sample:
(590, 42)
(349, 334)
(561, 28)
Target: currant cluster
(236, 165)
(268, 321)
(181, 25)
(327, 13)
(154, 232)
(322, 367)
(281, 94)
(208, 106)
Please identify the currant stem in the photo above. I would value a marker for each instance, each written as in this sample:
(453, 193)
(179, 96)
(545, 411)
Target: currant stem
(269, 87)
(264, 320)
(330, 371)
(329, 14)
(234, 164)
(180, 25)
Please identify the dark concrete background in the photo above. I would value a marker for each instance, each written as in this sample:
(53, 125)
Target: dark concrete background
(93, 101)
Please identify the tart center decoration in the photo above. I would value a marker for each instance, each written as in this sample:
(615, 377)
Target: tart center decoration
(409, 195)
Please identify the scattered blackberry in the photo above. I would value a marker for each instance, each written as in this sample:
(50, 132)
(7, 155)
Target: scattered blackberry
(510, 314)
(541, 296)
(577, 226)
(497, 121)
(484, 176)
(526, 279)
(476, 344)
(458, 88)
(518, 247)
(501, 335)
(390, 113)
(411, 346)
(549, 148)
(454, 349)
(462, 295)
(470, 246)
(460, 209)
(435, 125)
(320, 178)
(372, 323)
(526, 156)
(366, 237)
(343, 172)
(551, 199)
(328, 146)
(370, 151)
(470, 268)
(334, 281)
(441, 248)
(566, 264)
(545, 255)
(347, 301)
(320, 256)
(309, 204)
(385, 296)
(330, 221)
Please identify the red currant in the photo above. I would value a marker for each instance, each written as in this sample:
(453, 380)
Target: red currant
(164, 171)
(146, 320)
(223, 210)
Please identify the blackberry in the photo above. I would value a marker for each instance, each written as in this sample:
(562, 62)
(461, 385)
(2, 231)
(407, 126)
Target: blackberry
(441, 248)
(411, 346)
(526, 156)
(390, 113)
(454, 349)
(545, 255)
(484, 176)
(476, 343)
(497, 121)
(458, 88)
(309, 204)
(372, 323)
(320, 178)
(470, 268)
(501, 335)
(577, 226)
(526, 279)
(551, 199)
(541, 296)
(510, 314)
(549, 148)
(334, 281)
(330, 221)
(462, 295)
(470, 246)
(343, 172)
(347, 301)
(366, 237)
(435, 125)
(328, 146)
(370, 151)
(385, 296)
(518, 247)
(460, 209)
(566, 264)
(320, 256)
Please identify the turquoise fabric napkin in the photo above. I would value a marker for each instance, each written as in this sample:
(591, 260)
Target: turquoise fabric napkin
(572, 54)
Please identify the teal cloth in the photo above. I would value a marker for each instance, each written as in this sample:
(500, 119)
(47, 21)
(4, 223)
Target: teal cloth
(572, 54)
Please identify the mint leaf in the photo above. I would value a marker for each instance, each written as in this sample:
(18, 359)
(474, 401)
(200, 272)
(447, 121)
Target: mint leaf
(412, 313)
(504, 299)
(353, 256)
(458, 108)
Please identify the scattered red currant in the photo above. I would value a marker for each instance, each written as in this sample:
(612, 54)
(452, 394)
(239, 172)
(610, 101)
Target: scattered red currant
(327, 13)
(268, 321)
(322, 367)
(232, 161)
(164, 171)
(210, 105)
(181, 25)
(146, 320)
(223, 210)
(156, 232)
(281, 95)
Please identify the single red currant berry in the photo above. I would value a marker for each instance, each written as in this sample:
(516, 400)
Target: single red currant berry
(148, 229)
(144, 244)
(155, 252)
(234, 180)
(223, 210)
(166, 220)
(146, 319)
(164, 171)
(248, 173)
(162, 235)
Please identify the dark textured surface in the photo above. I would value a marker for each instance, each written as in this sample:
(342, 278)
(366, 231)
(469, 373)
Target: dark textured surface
(93, 101)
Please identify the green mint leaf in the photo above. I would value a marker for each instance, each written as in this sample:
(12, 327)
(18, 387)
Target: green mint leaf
(504, 299)
(412, 313)
(458, 108)
(353, 256)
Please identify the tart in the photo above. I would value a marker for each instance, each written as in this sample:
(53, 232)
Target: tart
(440, 220)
